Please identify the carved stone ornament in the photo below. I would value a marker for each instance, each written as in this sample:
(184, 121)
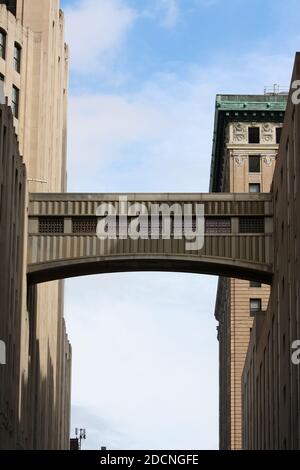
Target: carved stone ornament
(239, 127)
(267, 134)
(268, 160)
(239, 132)
(239, 161)
(267, 127)
(267, 138)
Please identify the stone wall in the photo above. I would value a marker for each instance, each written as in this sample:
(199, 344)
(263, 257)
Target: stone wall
(271, 381)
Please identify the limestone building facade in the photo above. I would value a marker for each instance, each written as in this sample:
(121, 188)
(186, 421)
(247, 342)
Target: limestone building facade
(12, 216)
(34, 74)
(246, 137)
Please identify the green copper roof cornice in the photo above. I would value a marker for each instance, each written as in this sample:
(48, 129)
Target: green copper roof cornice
(251, 102)
(241, 107)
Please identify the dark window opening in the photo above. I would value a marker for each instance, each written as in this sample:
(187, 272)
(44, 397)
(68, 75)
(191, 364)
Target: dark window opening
(255, 306)
(255, 284)
(253, 135)
(2, 44)
(15, 101)
(278, 134)
(11, 5)
(254, 164)
(252, 225)
(17, 57)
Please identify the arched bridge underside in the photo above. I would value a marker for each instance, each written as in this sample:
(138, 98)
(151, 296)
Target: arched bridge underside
(233, 234)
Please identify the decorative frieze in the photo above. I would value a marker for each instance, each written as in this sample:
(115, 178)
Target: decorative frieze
(239, 132)
(267, 133)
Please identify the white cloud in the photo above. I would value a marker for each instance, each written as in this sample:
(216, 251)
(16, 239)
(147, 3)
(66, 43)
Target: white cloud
(95, 31)
(170, 12)
(130, 142)
(145, 361)
(133, 141)
(165, 12)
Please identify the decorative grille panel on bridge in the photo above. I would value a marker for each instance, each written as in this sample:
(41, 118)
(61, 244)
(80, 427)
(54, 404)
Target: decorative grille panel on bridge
(252, 225)
(51, 225)
(84, 224)
(217, 225)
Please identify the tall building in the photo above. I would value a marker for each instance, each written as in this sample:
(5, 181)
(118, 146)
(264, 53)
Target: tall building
(271, 377)
(247, 132)
(12, 214)
(34, 72)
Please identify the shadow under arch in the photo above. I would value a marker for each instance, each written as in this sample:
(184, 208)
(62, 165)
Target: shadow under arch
(62, 269)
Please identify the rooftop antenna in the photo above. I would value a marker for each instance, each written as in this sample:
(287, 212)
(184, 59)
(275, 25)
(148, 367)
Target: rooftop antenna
(275, 89)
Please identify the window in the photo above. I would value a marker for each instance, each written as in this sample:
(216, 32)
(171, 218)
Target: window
(2, 43)
(252, 225)
(51, 225)
(2, 79)
(15, 101)
(254, 164)
(255, 284)
(11, 5)
(254, 187)
(17, 57)
(218, 225)
(253, 135)
(278, 134)
(255, 306)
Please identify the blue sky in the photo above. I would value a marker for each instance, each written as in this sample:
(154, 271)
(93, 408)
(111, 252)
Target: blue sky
(144, 75)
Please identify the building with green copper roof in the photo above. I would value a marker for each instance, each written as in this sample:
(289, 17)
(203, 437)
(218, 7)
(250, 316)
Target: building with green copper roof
(247, 132)
(230, 108)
